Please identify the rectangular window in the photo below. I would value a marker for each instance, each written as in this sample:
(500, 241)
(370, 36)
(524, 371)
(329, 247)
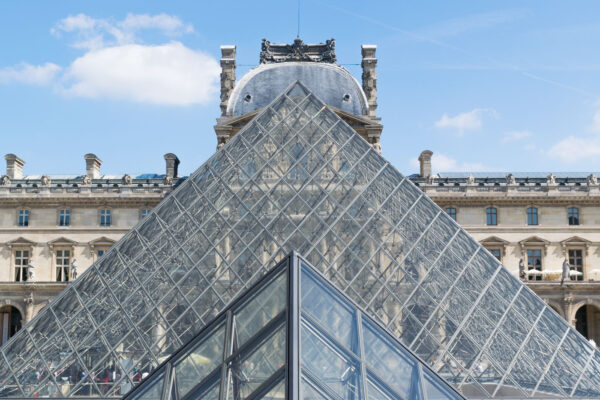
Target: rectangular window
(104, 217)
(576, 263)
(491, 216)
(532, 216)
(23, 218)
(100, 253)
(451, 212)
(21, 265)
(64, 217)
(63, 264)
(496, 253)
(534, 265)
(573, 216)
(145, 213)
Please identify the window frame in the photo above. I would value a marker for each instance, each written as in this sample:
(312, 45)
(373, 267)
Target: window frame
(528, 266)
(493, 214)
(452, 215)
(493, 249)
(142, 210)
(68, 216)
(27, 218)
(532, 214)
(569, 215)
(581, 268)
(55, 251)
(24, 268)
(110, 217)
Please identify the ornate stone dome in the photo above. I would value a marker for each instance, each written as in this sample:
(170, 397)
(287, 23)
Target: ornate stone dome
(330, 82)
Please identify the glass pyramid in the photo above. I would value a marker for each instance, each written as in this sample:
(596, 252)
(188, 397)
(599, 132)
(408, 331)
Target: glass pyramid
(299, 178)
(293, 336)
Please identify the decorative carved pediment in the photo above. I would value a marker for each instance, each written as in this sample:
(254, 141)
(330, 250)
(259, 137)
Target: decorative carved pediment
(61, 242)
(297, 51)
(20, 242)
(495, 242)
(100, 242)
(575, 241)
(534, 241)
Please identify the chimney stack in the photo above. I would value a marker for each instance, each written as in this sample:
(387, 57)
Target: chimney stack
(227, 75)
(369, 76)
(92, 166)
(172, 163)
(14, 166)
(425, 163)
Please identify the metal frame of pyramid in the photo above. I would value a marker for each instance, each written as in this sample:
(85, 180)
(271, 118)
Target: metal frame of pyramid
(331, 349)
(297, 177)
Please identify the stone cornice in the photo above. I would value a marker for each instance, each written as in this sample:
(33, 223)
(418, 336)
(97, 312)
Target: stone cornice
(531, 230)
(72, 230)
(79, 201)
(474, 195)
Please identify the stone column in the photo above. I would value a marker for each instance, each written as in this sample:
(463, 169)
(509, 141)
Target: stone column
(227, 75)
(369, 76)
(14, 166)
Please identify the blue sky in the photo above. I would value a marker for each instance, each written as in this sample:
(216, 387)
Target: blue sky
(509, 86)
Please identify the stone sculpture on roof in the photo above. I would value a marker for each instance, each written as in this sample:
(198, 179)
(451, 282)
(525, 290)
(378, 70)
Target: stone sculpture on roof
(297, 51)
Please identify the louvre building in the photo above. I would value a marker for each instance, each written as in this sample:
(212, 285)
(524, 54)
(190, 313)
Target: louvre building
(298, 263)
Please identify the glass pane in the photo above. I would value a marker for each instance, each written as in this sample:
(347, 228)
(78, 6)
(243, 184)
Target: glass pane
(434, 391)
(333, 369)
(309, 392)
(249, 372)
(154, 389)
(277, 393)
(388, 361)
(200, 361)
(328, 309)
(375, 393)
(256, 313)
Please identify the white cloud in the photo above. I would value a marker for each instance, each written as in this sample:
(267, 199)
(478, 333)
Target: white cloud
(29, 74)
(443, 163)
(515, 136)
(169, 74)
(467, 121)
(116, 65)
(574, 148)
(94, 33)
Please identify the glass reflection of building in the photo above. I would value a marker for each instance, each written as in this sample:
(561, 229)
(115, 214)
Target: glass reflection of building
(302, 174)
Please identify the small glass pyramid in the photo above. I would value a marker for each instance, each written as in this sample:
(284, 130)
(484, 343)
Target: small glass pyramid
(297, 177)
(293, 336)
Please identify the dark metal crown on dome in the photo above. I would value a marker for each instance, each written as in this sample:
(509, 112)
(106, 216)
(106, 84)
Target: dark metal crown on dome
(297, 51)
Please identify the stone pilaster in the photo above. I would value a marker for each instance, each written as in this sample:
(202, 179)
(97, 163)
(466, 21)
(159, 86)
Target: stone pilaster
(369, 76)
(227, 75)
